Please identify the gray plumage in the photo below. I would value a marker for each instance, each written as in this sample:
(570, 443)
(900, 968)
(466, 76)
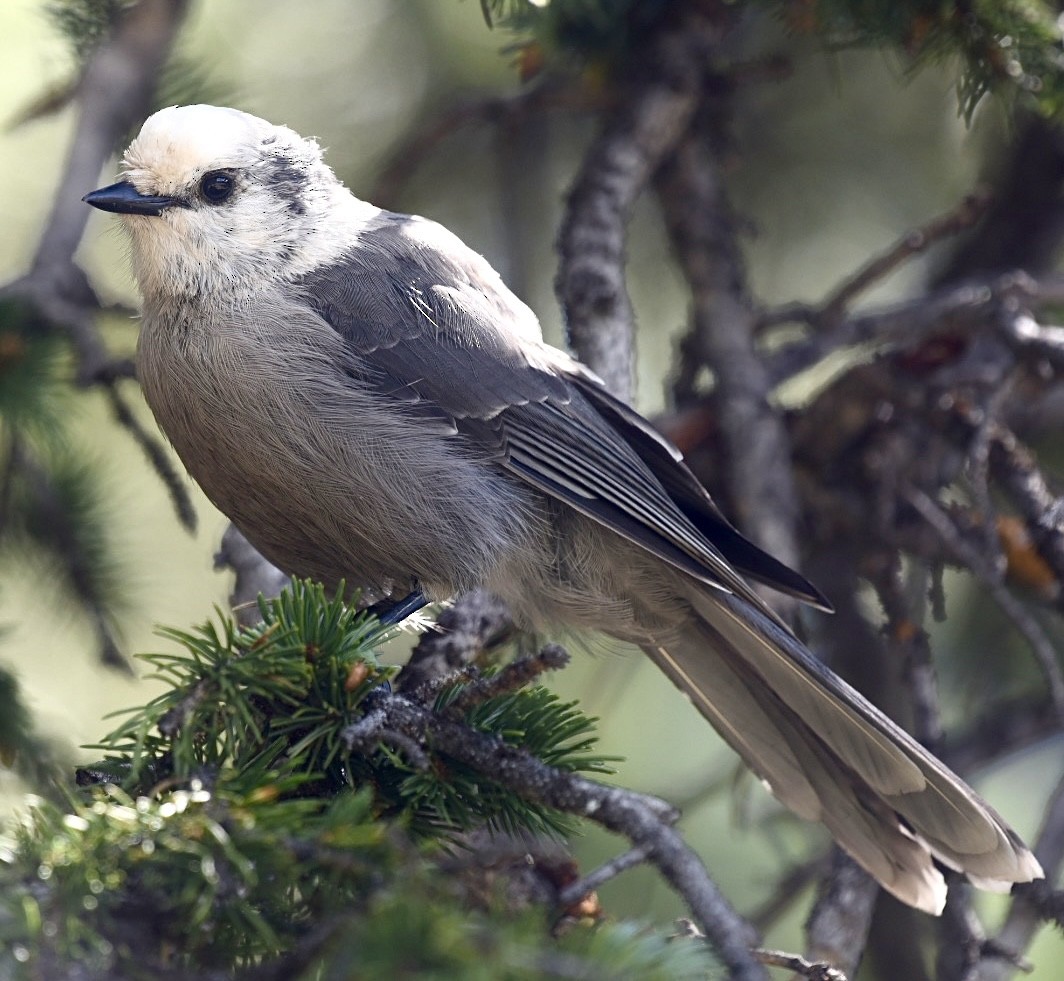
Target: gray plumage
(364, 398)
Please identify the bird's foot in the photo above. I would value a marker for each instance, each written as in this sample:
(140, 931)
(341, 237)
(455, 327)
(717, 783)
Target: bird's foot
(391, 612)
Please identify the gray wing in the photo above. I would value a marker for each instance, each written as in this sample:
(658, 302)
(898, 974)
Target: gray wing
(421, 315)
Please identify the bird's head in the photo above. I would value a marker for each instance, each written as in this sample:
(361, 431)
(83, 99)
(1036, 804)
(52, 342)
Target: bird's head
(217, 199)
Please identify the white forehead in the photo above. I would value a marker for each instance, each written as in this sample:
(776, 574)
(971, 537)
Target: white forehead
(176, 143)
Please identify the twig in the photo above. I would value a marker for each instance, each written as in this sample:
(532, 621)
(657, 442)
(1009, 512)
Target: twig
(1029, 906)
(372, 728)
(502, 111)
(1024, 227)
(964, 307)
(645, 821)
(1041, 340)
(814, 970)
(650, 120)
(157, 456)
(515, 675)
(837, 928)
(114, 93)
(475, 621)
(1041, 646)
(912, 243)
(960, 933)
(1047, 901)
(574, 892)
(175, 719)
(1015, 468)
(1001, 729)
(254, 575)
(908, 642)
(961, 937)
(787, 893)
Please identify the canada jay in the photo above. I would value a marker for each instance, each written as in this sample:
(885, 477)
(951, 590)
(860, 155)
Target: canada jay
(359, 392)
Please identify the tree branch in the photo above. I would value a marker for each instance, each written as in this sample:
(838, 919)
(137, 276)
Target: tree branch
(255, 576)
(702, 226)
(114, 94)
(645, 821)
(1041, 646)
(1028, 911)
(652, 115)
(473, 622)
(963, 308)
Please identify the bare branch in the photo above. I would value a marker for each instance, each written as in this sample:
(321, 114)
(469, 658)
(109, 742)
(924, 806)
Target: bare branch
(652, 116)
(515, 675)
(255, 576)
(1041, 646)
(1028, 910)
(1015, 468)
(114, 93)
(704, 234)
(510, 109)
(576, 891)
(838, 925)
(814, 971)
(904, 324)
(475, 621)
(1001, 729)
(908, 642)
(961, 935)
(912, 243)
(157, 456)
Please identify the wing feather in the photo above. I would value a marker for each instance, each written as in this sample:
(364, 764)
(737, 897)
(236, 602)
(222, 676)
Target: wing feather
(422, 323)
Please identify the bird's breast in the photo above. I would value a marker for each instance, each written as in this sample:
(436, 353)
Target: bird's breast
(329, 479)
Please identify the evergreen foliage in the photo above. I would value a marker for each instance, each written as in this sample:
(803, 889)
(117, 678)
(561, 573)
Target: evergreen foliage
(53, 516)
(85, 23)
(229, 824)
(270, 704)
(1011, 48)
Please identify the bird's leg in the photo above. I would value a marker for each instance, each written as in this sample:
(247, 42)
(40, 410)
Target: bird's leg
(391, 611)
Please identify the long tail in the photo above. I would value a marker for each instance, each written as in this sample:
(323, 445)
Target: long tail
(831, 756)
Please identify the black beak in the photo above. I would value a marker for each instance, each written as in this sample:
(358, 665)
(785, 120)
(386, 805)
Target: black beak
(123, 199)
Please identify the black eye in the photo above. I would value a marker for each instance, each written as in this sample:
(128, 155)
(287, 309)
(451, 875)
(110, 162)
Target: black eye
(217, 186)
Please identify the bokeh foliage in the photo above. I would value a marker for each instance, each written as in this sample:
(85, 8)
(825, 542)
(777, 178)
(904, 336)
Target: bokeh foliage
(1010, 48)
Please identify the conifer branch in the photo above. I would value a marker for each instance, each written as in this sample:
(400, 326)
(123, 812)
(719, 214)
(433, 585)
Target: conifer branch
(646, 821)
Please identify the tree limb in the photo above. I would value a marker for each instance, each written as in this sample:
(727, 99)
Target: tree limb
(652, 115)
(646, 821)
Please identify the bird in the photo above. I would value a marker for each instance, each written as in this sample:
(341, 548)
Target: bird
(360, 393)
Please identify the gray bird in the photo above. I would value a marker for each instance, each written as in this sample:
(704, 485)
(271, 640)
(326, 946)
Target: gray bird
(359, 392)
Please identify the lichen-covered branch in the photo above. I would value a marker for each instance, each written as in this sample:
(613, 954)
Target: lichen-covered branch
(646, 821)
(656, 105)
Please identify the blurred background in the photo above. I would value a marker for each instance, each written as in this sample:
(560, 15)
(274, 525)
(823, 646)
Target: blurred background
(830, 165)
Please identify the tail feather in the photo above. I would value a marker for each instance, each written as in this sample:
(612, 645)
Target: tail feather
(804, 778)
(830, 755)
(734, 711)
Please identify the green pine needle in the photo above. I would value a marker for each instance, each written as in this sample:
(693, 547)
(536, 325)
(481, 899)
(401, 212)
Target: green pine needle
(85, 23)
(272, 703)
(34, 399)
(1007, 48)
(193, 882)
(229, 820)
